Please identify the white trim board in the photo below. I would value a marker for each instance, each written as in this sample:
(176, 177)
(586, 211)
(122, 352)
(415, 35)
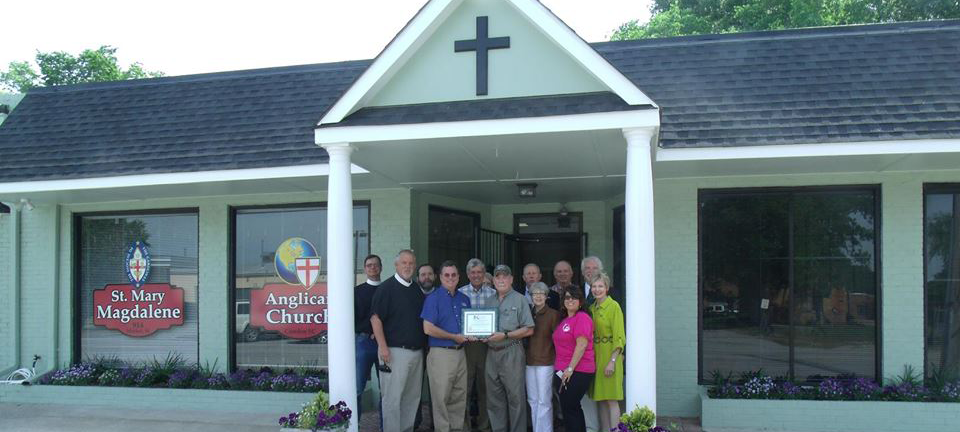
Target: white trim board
(809, 150)
(432, 15)
(511, 126)
(171, 178)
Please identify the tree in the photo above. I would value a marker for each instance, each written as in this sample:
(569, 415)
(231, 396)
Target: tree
(61, 68)
(692, 17)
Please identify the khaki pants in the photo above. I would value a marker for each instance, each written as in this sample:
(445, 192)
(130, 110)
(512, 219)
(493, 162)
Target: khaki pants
(400, 389)
(506, 395)
(476, 360)
(448, 388)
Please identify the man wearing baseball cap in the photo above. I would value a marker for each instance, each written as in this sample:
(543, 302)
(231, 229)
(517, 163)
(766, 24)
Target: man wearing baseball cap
(506, 395)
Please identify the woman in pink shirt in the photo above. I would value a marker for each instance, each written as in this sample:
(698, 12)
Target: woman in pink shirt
(574, 363)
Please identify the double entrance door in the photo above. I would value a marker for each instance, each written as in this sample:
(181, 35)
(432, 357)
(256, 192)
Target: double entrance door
(542, 238)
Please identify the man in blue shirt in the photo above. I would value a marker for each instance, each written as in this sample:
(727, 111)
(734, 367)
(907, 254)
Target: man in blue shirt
(442, 322)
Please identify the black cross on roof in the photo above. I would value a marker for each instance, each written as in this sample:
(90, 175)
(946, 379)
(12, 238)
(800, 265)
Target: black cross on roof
(481, 45)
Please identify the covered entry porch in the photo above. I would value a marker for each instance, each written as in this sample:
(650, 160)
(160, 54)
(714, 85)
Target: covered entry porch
(594, 162)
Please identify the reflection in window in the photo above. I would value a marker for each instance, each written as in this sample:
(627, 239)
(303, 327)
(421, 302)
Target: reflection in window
(259, 234)
(942, 280)
(788, 282)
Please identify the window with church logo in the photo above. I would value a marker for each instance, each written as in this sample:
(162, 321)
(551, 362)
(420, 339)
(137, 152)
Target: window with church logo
(789, 282)
(138, 286)
(280, 283)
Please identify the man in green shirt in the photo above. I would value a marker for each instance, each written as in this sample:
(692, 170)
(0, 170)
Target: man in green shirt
(506, 395)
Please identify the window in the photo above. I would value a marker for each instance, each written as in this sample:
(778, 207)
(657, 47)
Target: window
(788, 282)
(279, 287)
(133, 318)
(941, 245)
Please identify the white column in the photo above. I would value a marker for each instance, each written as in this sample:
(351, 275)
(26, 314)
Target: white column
(341, 348)
(641, 349)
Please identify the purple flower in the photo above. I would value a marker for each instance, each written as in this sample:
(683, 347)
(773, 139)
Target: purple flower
(832, 389)
(182, 378)
(78, 374)
(312, 384)
(759, 387)
(864, 389)
(951, 391)
(262, 381)
(286, 382)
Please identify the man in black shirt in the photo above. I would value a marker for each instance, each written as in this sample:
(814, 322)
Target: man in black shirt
(398, 329)
(366, 344)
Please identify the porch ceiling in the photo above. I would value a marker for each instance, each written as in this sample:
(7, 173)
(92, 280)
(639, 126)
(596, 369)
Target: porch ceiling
(568, 166)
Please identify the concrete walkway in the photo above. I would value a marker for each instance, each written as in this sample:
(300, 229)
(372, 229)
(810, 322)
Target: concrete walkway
(25, 417)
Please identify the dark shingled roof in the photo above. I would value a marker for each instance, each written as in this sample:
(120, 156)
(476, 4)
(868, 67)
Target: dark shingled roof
(820, 85)
(247, 119)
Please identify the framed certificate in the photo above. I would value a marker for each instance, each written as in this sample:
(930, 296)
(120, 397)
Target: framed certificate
(479, 322)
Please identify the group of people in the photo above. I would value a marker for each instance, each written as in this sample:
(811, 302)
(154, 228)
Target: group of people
(565, 339)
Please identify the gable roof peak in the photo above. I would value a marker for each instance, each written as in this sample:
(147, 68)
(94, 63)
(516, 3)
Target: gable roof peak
(434, 13)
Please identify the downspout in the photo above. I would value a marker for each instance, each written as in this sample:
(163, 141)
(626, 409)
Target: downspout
(14, 270)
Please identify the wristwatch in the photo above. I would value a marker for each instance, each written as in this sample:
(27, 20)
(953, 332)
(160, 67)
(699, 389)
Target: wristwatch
(506, 335)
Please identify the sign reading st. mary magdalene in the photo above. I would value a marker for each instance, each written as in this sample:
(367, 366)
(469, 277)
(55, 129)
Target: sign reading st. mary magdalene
(296, 308)
(138, 309)
(482, 44)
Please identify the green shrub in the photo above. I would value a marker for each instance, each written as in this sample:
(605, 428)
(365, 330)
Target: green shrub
(640, 419)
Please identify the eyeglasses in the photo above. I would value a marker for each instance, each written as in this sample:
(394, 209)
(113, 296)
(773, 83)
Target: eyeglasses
(570, 298)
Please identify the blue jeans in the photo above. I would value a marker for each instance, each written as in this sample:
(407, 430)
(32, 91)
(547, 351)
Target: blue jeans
(366, 359)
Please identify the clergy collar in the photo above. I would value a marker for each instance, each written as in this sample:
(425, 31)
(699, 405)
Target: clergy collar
(402, 282)
(373, 282)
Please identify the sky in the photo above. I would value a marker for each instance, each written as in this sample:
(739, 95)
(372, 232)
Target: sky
(181, 37)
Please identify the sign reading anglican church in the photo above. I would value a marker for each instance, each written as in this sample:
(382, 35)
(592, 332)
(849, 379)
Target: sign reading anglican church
(296, 308)
(138, 309)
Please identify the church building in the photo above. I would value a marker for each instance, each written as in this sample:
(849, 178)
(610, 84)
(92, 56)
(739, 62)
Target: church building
(785, 201)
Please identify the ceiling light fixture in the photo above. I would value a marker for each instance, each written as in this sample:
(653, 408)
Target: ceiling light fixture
(527, 190)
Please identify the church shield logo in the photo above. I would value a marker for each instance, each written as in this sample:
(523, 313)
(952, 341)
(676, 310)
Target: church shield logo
(137, 263)
(297, 262)
(308, 271)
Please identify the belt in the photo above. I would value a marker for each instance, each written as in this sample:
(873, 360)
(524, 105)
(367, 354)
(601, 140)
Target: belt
(364, 334)
(408, 347)
(501, 348)
(604, 339)
(455, 347)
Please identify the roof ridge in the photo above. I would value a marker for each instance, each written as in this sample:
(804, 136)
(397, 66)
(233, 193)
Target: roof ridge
(205, 76)
(786, 34)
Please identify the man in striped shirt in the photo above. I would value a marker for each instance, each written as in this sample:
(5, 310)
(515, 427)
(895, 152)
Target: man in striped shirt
(481, 296)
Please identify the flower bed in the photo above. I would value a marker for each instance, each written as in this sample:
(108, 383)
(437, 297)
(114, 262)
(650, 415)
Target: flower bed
(849, 389)
(825, 415)
(175, 374)
(760, 402)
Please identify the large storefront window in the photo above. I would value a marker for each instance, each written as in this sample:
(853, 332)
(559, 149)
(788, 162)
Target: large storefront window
(788, 282)
(138, 286)
(941, 221)
(280, 287)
